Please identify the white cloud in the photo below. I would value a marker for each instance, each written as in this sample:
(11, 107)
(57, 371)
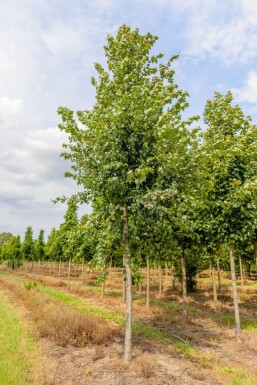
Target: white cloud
(224, 30)
(61, 38)
(32, 173)
(228, 33)
(9, 110)
(248, 92)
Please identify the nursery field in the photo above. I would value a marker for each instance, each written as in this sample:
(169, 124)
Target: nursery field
(54, 336)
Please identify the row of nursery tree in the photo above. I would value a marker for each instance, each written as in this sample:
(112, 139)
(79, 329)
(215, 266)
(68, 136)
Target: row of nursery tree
(160, 189)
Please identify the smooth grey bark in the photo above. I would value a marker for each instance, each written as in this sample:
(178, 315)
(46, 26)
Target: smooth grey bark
(147, 281)
(184, 281)
(124, 281)
(160, 280)
(234, 289)
(214, 286)
(82, 268)
(75, 271)
(103, 283)
(241, 270)
(166, 271)
(69, 269)
(255, 250)
(219, 279)
(173, 282)
(128, 324)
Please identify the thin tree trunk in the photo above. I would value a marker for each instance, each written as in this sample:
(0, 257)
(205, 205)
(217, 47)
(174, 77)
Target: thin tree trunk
(214, 287)
(124, 282)
(59, 269)
(166, 271)
(82, 269)
(241, 270)
(26, 266)
(173, 282)
(38, 266)
(75, 271)
(160, 280)
(234, 288)
(103, 283)
(69, 268)
(255, 250)
(184, 281)
(147, 282)
(219, 280)
(128, 326)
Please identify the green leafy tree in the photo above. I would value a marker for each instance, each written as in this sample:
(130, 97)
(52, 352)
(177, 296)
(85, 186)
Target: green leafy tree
(40, 246)
(229, 150)
(115, 155)
(28, 246)
(67, 236)
(4, 237)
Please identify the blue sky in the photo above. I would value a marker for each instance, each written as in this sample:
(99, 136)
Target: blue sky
(47, 54)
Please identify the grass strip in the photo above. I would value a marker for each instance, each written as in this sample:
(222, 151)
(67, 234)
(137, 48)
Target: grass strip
(145, 331)
(15, 347)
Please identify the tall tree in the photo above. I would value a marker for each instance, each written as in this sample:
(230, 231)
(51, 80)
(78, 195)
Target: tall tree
(229, 150)
(28, 247)
(115, 154)
(40, 246)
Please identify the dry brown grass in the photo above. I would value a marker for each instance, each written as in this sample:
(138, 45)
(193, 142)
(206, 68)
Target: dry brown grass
(144, 366)
(66, 326)
(57, 321)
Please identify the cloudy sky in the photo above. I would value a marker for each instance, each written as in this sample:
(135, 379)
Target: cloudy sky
(47, 51)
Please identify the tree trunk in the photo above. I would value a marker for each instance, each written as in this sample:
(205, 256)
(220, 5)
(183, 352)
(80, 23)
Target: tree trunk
(219, 280)
(160, 280)
(128, 325)
(26, 266)
(184, 281)
(103, 283)
(75, 271)
(173, 279)
(124, 281)
(59, 269)
(234, 288)
(147, 282)
(255, 250)
(82, 268)
(166, 272)
(241, 270)
(214, 287)
(69, 268)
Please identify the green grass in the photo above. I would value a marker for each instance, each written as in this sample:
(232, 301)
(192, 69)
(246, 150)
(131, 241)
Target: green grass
(185, 349)
(238, 376)
(15, 348)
